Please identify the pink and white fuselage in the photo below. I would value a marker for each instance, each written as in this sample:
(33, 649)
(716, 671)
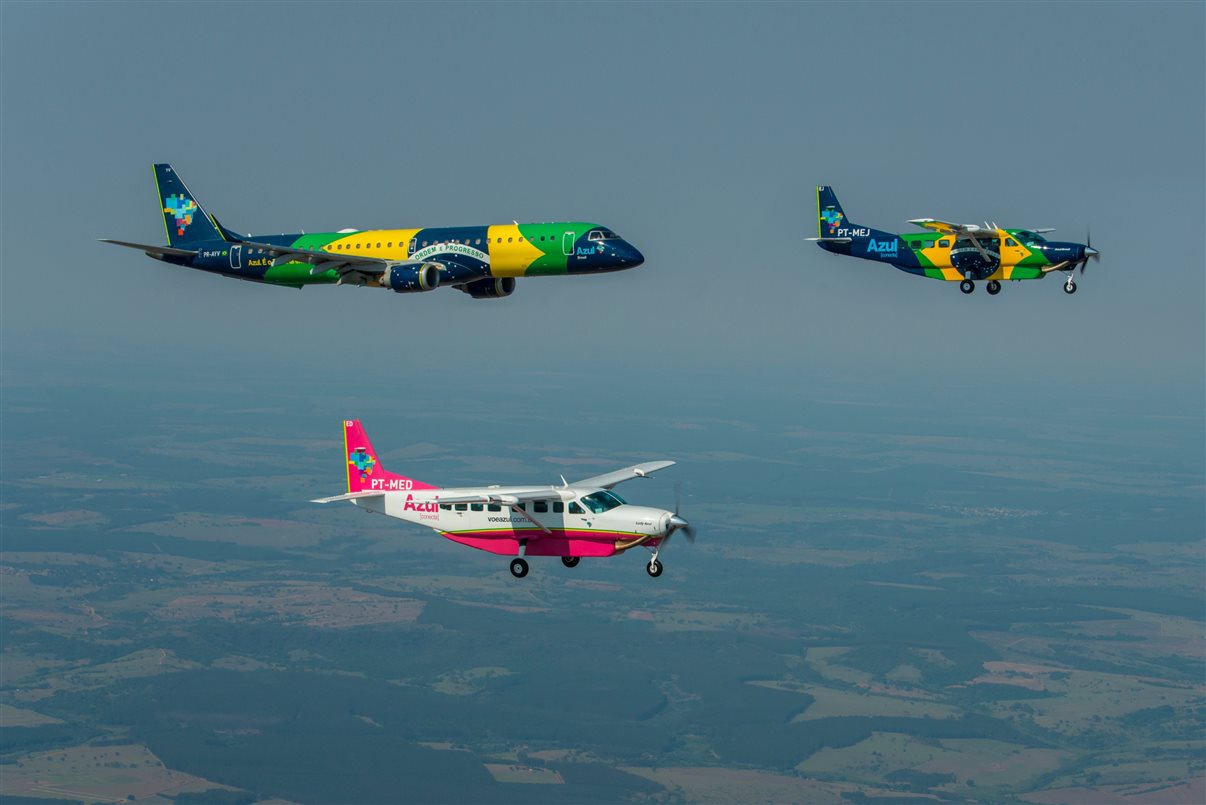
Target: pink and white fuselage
(583, 519)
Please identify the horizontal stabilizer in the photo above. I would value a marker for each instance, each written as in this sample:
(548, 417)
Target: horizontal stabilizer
(153, 251)
(349, 496)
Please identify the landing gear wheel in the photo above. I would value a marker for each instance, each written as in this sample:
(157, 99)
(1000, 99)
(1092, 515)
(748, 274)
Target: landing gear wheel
(967, 286)
(519, 568)
(654, 568)
(993, 287)
(571, 561)
(1069, 286)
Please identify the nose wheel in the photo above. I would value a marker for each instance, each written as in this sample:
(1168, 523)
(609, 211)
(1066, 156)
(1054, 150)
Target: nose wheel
(967, 286)
(519, 568)
(654, 568)
(993, 287)
(571, 561)
(1070, 286)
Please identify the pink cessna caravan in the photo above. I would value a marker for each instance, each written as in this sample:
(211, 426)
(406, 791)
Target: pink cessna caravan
(571, 521)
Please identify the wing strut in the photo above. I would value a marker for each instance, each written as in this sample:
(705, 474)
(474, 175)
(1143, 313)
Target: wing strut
(515, 508)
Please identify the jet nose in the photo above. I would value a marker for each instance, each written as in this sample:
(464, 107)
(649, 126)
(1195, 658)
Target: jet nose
(630, 256)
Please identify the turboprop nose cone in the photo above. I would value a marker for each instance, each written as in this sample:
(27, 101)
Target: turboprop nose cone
(678, 522)
(1091, 252)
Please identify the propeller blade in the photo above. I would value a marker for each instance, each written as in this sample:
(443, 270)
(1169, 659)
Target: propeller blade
(677, 523)
(1090, 252)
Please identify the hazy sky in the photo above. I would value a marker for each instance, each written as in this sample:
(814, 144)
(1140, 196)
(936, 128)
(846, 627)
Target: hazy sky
(696, 131)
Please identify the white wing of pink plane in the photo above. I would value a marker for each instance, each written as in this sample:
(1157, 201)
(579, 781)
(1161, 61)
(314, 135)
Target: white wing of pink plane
(571, 521)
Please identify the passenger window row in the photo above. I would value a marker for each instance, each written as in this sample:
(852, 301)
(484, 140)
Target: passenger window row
(415, 244)
(538, 506)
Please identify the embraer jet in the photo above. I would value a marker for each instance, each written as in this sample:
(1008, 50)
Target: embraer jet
(585, 518)
(481, 261)
(962, 253)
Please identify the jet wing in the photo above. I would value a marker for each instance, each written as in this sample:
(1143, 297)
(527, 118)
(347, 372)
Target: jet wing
(325, 261)
(609, 479)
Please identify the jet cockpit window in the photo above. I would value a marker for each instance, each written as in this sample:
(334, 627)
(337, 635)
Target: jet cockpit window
(599, 502)
(602, 234)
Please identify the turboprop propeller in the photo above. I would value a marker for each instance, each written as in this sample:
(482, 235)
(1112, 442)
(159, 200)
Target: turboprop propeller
(677, 522)
(1089, 251)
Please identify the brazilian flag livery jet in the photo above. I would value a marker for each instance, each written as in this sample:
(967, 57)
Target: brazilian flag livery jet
(953, 252)
(481, 261)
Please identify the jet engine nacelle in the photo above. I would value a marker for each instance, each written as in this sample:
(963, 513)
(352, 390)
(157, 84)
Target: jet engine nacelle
(489, 288)
(411, 278)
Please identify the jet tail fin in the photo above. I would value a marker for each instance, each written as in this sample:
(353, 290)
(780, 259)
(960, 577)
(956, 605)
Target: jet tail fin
(365, 472)
(186, 222)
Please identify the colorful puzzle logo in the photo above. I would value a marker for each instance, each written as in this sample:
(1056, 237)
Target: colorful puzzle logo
(832, 217)
(182, 210)
(361, 460)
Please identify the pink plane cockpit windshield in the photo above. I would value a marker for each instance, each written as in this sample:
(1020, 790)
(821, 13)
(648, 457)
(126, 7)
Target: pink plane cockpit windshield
(601, 501)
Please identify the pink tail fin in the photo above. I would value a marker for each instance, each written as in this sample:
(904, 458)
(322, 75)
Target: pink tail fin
(364, 468)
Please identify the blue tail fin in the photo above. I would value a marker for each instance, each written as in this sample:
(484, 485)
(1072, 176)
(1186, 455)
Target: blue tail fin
(831, 218)
(186, 222)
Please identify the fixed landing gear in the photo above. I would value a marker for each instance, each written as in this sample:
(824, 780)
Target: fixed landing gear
(1070, 286)
(571, 561)
(967, 286)
(993, 287)
(519, 568)
(654, 568)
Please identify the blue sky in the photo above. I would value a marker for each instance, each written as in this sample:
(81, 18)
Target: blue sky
(696, 131)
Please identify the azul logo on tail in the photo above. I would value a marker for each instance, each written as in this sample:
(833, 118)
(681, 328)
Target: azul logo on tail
(362, 461)
(833, 218)
(182, 209)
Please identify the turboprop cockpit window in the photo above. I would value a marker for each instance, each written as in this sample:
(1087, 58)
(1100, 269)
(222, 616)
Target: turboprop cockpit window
(599, 502)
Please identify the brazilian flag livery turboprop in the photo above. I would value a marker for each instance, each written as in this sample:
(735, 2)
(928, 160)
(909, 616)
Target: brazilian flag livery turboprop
(481, 261)
(954, 252)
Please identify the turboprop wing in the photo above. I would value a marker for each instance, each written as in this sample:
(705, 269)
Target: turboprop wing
(609, 479)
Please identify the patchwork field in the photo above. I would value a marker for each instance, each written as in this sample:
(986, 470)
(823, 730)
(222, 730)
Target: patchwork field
(98, 774)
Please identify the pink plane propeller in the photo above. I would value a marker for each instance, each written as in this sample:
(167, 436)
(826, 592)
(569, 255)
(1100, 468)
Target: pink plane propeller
(585, 518)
